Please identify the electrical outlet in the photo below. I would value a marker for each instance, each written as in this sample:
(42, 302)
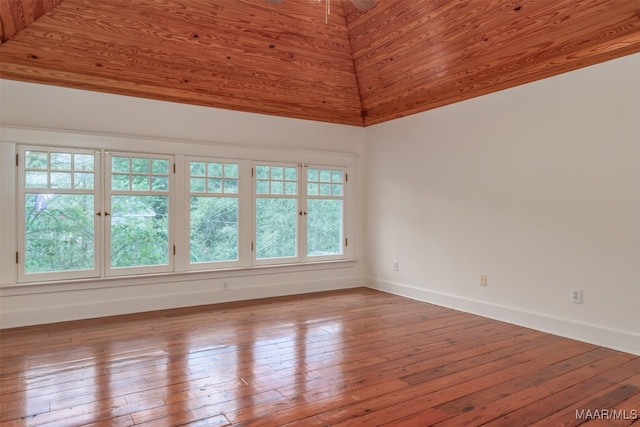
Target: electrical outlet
(395, 265)
(483, 280)
(576, 296)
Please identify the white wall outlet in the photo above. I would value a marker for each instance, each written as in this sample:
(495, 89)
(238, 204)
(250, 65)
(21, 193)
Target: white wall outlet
(483, 280)
(395, 265)
(576, 296)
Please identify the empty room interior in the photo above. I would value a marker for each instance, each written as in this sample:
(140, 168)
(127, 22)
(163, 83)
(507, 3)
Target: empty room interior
(319, 212)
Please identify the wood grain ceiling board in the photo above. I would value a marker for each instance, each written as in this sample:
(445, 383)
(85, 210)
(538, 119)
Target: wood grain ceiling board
(360, 68)
(415, 56)
(235, 54)
(18, 14)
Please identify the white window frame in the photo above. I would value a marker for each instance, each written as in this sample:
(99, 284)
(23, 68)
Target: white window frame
(305, 203)
(23, 276)
(243, 209)
(108, 193)
(299, 213)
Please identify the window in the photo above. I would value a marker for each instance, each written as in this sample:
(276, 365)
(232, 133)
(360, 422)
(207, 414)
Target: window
(213, 212)
(59, 231)
(325, 212)
(137, 214)
(282, 210)
(276, 213)
(97, 213)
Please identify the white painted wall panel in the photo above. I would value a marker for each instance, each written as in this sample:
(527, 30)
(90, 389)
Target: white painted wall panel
(537, 187)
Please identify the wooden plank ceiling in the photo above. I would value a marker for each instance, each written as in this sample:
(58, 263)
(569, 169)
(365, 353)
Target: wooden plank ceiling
(356, 68)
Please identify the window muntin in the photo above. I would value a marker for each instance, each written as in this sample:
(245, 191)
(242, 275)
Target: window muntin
(138, 208)
(325, 212)
(59, 228)
(276, 212)
(213, 212)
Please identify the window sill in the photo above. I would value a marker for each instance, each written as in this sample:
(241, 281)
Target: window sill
(32, 288)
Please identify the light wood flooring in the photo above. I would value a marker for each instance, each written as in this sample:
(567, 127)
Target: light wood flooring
(350, 358)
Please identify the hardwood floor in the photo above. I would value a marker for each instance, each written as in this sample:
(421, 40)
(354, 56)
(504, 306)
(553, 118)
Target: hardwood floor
(349, 358)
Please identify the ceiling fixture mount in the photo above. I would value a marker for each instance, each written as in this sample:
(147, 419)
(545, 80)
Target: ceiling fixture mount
(359, 4)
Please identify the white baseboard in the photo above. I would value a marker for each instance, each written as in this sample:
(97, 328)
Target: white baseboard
(593, 334)
(117, 306)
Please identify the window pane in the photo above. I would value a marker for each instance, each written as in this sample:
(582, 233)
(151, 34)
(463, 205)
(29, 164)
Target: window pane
(139, 231)
(262, 187)
(197, 169)
(291, 174)
(324, 227)
(140, 182)
(262, 172)
(61, 161)
(160, 166)
(325, 189)
(198, 185)
(120, 164)
(291, 188)
(60, 180)
(231, 186)
(276, 227)
(336, 176)
(83, 162)
(140, 165)
(159, 183)
(277, 172)
(336, 190)
(59, 232)
(231, 170)
(35, 179)
(277, 187)
(214, 229)
(312, 175)
(214, 186)
(214, 170)
(312, 189)
(36, 160)
(325, 175)
(119, 182)
(83, 181)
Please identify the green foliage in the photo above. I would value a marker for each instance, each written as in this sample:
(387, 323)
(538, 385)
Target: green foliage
(59, 232)
(276, 227)
(139, 231)
(214, 229)
(324, 227)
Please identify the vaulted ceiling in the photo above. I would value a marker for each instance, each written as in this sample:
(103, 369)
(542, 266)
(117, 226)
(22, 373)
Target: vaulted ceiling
(292, 59)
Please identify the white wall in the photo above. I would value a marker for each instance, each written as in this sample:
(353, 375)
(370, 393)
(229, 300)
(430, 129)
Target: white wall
(40, 114)
(537, 187)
